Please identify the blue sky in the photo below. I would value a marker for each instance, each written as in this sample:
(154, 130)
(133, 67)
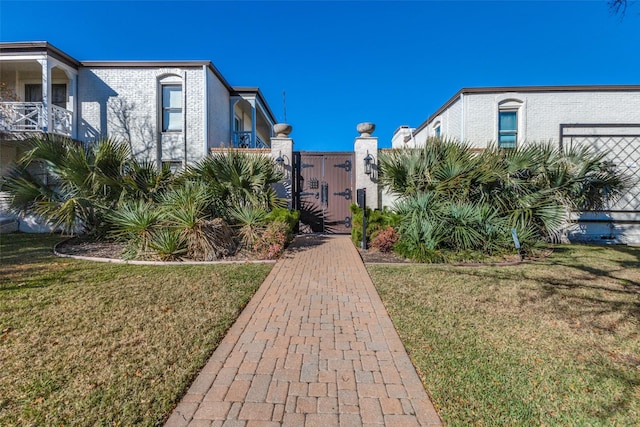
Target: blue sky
(342, 63)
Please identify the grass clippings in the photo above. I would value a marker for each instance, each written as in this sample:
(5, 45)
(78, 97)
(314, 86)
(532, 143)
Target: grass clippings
(86, 343)
(555, 342)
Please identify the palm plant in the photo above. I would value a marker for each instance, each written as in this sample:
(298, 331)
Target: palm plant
(535, 187)
(168, 244)
(143, 180)
(238, 179)
(70, 186)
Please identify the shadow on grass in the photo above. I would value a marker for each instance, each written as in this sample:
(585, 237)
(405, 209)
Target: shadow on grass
(623, 402)
(23, 248)
(596, 290)
(28, 261)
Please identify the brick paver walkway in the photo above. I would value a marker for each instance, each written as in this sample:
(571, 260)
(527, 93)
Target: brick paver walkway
(314, 347)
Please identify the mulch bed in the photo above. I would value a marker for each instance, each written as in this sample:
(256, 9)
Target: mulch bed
(86, 247)
(82, 246)
(374, 256)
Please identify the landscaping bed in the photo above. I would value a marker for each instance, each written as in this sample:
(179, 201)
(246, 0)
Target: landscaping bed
(86, 247)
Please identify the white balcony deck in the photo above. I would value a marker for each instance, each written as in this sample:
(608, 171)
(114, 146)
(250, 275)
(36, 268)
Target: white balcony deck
(32, 117)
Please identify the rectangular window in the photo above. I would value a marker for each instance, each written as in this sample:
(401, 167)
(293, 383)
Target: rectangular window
(171, 108)
(437, 132)
(507, 129)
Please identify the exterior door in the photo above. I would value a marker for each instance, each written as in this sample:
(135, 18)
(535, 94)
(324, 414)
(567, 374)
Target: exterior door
(324, 191)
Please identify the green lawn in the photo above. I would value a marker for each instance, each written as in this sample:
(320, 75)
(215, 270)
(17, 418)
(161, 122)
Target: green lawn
(554, 342)
(106, 344)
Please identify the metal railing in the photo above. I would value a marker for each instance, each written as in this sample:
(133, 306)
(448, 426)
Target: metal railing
(244, 139)
(32, 116)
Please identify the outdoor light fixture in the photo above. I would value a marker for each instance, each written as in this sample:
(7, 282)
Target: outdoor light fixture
(368, 162)
(281, 161)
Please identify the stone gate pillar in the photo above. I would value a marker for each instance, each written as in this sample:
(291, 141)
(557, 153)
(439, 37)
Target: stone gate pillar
(365, 160)
(282, 154)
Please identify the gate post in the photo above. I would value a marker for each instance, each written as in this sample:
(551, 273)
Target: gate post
(365, 160)
(282, 154)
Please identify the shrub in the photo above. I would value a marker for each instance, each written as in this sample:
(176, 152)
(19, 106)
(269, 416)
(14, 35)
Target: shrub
(385, 239)
(434, 230)
(185, 209)
(238, 178)
(290, 218)
(377, 220)
(534, 187)
(271, 243)
(250, 222)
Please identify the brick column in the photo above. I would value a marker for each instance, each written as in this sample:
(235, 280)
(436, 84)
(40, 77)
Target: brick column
(367, 146)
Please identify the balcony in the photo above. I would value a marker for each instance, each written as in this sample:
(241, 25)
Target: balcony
(245, 139)
(32, 117)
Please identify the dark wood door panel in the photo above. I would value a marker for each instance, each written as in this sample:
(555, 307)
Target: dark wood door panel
(325, 190)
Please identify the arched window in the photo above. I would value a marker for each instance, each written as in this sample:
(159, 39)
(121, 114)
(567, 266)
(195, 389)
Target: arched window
(436, 129)
(508, 123)
(171, 103)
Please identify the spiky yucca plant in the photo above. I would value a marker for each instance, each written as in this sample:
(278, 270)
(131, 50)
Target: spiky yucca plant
(535, 187)
(250, 222)
(134, 222)
(186, 208)
(238, 178)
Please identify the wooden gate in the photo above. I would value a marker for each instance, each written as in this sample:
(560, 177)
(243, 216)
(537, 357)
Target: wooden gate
(323, 190)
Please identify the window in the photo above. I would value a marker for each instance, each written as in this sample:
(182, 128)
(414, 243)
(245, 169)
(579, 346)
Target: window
(171, 108)
(33, 93)
(437, 131)
(507, 129)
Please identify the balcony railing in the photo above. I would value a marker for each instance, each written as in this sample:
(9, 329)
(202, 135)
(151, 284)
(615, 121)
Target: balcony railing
(244, 139)
(32, 116)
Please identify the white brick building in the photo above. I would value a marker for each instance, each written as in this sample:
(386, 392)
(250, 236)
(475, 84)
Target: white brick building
(170, 111)
(603, 117)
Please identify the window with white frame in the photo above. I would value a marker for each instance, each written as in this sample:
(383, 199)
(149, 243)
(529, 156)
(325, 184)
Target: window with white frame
(171, 108)
(507, 128)
(436, 130)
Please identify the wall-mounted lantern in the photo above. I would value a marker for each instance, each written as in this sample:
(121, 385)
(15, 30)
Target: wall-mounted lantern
(281, 161)
(368, 163)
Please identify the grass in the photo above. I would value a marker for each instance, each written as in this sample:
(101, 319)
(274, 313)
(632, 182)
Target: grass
(86, 343)
(555, 342)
